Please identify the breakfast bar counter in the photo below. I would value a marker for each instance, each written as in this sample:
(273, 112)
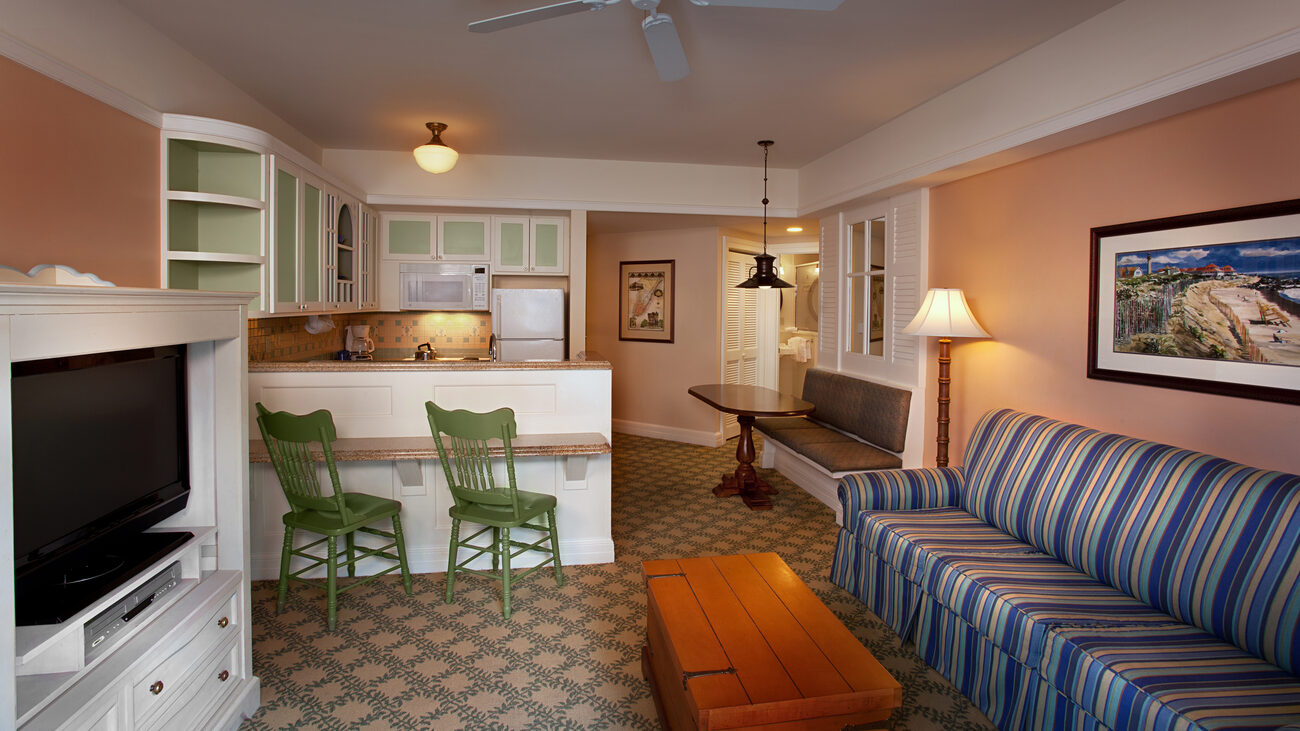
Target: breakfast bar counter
(384, 447)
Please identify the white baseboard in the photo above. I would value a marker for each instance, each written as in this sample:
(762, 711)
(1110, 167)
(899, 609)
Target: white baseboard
(671, 433)
(433, 559)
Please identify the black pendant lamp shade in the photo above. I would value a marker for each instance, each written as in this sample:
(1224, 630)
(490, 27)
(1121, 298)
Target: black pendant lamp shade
(764, 274)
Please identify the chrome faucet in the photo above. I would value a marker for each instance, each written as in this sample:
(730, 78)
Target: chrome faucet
(492, 346)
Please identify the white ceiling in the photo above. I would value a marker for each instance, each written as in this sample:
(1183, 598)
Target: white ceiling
(367, 74)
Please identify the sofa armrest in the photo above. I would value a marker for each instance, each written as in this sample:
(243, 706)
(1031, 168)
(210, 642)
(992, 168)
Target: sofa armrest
(930, 487)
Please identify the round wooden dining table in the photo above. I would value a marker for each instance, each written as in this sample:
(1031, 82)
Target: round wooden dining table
(748, 402)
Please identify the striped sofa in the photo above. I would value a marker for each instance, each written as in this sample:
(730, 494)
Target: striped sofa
(1067, 578)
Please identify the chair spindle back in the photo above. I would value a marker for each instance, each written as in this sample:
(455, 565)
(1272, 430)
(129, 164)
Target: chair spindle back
(467, 463)
(288, 439)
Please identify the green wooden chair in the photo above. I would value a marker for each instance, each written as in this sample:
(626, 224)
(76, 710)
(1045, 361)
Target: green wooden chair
(289, 438)
(479, 500)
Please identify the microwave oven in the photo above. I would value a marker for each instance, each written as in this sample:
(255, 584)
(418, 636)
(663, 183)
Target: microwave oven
(444, 286)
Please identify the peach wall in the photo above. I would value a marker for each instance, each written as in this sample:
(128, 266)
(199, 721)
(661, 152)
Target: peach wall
(650, 379)
(80, 182)
(1017, 240)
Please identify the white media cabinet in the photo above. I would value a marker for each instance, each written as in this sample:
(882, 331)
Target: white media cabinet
(185, 662)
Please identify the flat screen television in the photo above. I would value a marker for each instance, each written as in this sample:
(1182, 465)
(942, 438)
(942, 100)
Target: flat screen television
(101, 453)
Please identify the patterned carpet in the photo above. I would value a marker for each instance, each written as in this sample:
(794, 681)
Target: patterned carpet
(569, 658)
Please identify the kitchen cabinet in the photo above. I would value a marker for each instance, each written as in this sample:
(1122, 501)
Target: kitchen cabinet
(425, 237)
(214, 217)
(530, 245)
(295, 269)
(367, 259)
(339, 250)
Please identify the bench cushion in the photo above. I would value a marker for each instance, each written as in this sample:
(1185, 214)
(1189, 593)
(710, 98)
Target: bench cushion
(850, 456)
(781, 423)
(874, 412)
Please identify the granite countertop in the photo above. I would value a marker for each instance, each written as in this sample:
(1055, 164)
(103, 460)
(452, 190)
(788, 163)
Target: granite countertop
(373, 449)
(584, 361)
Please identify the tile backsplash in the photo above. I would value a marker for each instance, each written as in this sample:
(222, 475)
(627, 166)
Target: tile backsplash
(395, 334)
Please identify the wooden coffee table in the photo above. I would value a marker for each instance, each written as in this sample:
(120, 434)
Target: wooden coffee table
(747, 402)
(740, 642)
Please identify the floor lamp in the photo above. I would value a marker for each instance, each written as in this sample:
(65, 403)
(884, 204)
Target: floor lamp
(944, 314)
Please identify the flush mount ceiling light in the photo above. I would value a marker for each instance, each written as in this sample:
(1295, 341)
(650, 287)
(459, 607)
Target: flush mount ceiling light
(764, 276)
(435, 156)
(794, 229)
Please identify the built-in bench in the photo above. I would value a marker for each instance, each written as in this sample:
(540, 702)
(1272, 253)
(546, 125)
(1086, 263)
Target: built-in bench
(858, 426)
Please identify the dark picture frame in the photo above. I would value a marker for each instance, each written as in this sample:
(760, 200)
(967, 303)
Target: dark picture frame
(1205, 302)
(647, 294)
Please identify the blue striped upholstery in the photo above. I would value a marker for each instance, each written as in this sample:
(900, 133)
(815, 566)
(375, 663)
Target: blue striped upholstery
(897, 490)
(1172, 676)
(909, 540)
(1070, 578)
(1015, 600)
(1213, 543)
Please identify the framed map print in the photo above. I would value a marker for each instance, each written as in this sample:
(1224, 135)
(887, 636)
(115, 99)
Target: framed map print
(646, 297)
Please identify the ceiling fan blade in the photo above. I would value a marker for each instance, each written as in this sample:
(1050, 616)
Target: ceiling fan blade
(774, 4)
(569, 7)
(665, 47)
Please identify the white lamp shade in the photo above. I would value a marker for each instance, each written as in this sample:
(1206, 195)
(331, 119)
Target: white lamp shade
(944, 313)
(436, 158)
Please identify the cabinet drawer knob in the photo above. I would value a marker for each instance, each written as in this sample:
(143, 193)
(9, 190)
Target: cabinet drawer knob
(223, 622)
(156, 688)
(223, 675)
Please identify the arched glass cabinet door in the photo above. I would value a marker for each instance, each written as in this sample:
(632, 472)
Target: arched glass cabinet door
(346, 245)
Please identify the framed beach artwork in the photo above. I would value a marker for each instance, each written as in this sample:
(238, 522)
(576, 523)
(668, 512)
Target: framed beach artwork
(647, 293)
(1203, 302)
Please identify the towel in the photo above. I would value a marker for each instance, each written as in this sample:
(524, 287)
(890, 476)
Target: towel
(801, 347)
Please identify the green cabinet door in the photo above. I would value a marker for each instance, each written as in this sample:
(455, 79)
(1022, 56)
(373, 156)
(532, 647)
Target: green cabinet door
(286, 241)
(550, 246)
(311, 247)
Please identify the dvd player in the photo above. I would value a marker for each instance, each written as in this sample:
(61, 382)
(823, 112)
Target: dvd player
(119, 616)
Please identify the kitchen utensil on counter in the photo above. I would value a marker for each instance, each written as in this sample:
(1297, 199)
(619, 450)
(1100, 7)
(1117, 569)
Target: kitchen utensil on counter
(358, 342)
(425, 351)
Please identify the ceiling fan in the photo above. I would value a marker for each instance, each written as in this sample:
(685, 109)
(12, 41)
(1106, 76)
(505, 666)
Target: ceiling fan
(660, 33)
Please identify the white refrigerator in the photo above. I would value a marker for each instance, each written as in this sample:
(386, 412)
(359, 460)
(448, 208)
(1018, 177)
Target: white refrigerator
(528, 324)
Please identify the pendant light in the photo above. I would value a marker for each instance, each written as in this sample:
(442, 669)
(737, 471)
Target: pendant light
(764, 275)
(435, 156)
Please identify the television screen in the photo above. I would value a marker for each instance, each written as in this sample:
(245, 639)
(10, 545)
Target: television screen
(99, 442)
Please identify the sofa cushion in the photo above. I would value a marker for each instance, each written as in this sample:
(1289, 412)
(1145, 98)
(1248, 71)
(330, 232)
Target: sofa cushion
(873, 411)
(910, 540)
(1210, 542)
(1015, 599)
(798, 439)
(1170, 676)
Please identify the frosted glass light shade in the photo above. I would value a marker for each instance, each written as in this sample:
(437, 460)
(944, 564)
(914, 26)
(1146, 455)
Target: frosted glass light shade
(945, 314)
(435, 156)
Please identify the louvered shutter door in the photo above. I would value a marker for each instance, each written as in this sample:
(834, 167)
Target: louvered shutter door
(828, 279)
(905, 284)
(740, 332)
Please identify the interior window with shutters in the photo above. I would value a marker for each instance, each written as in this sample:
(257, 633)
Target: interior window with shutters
(865, 283)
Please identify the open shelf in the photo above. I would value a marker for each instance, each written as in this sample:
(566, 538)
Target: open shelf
(215, 199)
(204, 273)
(217, 229)
(206, 167)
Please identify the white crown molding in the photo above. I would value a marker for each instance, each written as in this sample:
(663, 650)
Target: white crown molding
(1244, 59)
(566, 205)
(42, 63)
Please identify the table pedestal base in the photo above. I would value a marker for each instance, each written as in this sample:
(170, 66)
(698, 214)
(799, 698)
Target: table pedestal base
(744, 481)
